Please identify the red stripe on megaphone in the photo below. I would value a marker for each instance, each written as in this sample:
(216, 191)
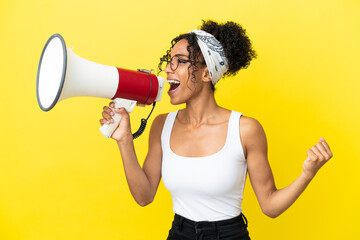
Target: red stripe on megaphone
(136, 85)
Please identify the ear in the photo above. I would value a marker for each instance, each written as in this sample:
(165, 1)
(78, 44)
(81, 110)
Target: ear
(206, 75)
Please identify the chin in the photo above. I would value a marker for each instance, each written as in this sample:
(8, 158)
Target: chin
(174, 102)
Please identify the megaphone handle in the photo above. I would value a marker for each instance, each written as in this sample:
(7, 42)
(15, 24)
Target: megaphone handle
(108, 129)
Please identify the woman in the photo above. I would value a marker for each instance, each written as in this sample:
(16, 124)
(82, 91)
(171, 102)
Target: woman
(204, 151)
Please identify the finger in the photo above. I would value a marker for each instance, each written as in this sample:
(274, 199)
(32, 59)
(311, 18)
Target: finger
(108, 110)
(112, 104)
(326, 146)
(322, 140)
(311, 155)
(318, 153)
(107, 117)
(121, 110)
(103, 121)
(322, 149)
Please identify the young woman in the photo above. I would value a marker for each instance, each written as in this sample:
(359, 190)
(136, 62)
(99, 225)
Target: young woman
(203, 152)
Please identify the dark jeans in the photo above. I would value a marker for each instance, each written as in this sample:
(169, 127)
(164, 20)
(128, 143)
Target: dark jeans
(231, 229)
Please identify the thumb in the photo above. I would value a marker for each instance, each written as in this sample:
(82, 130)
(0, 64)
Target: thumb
(120, 110)
(124, 114)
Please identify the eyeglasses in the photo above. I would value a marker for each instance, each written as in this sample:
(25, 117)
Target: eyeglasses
(174, 62)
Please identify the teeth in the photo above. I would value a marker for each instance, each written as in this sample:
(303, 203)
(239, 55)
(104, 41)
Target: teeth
(171, 81)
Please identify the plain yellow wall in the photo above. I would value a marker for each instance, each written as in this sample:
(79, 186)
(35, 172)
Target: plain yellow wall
(60, 179)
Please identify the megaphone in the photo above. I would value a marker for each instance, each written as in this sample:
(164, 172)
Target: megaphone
(62, 74)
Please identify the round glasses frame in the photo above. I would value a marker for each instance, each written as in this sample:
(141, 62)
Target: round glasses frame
(174, 62)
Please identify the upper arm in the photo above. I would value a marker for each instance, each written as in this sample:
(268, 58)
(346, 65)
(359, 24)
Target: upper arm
(260, 174)
(153, 160)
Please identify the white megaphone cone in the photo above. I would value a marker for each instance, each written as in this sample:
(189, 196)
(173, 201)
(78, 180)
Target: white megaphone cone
(62, 74)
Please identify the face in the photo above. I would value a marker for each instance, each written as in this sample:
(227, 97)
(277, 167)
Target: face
(183, 86)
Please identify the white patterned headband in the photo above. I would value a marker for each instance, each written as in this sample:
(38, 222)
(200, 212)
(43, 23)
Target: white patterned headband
(213, 54)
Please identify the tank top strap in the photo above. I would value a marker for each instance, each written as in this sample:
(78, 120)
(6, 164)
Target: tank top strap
(166, 132)
(234, 130)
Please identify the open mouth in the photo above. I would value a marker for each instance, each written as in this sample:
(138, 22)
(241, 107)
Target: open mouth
(173, 84)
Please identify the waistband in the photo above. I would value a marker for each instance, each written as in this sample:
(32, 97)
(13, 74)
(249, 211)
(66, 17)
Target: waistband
(185, 222)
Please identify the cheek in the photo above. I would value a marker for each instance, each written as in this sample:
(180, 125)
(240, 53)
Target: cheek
(188, 77)
(188, 81)
(185, 74)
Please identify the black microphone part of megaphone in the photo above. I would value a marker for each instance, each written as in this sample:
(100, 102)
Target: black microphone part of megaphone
(62, 74)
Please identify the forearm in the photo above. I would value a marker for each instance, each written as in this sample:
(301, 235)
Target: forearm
(137, 180)
(281, 199)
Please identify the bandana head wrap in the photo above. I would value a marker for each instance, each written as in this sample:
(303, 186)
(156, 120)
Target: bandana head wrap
(213, 54)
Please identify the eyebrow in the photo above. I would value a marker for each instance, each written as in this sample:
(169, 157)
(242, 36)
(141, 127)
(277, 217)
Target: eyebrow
(180, 55)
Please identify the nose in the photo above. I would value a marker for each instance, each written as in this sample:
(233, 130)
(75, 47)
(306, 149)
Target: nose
(168, 69)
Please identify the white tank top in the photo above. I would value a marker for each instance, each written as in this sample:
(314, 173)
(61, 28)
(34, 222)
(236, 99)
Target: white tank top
(206, 188)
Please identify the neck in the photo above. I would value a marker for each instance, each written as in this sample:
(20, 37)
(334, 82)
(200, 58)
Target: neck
(201, 110)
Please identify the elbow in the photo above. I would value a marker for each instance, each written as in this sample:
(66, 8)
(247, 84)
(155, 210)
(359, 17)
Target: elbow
(271, 213)
(143, 198)
(144, 202)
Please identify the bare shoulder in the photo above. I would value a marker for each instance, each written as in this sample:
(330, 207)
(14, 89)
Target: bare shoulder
(252, 133)
(160, 120)
(158, 124)
(249, 125)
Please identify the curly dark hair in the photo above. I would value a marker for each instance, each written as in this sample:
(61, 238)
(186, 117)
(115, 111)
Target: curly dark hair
(233, 38)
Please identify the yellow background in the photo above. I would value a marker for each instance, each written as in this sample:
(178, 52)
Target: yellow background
(60, 179)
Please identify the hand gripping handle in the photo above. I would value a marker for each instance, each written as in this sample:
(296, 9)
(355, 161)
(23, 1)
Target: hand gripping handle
(108, 129)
